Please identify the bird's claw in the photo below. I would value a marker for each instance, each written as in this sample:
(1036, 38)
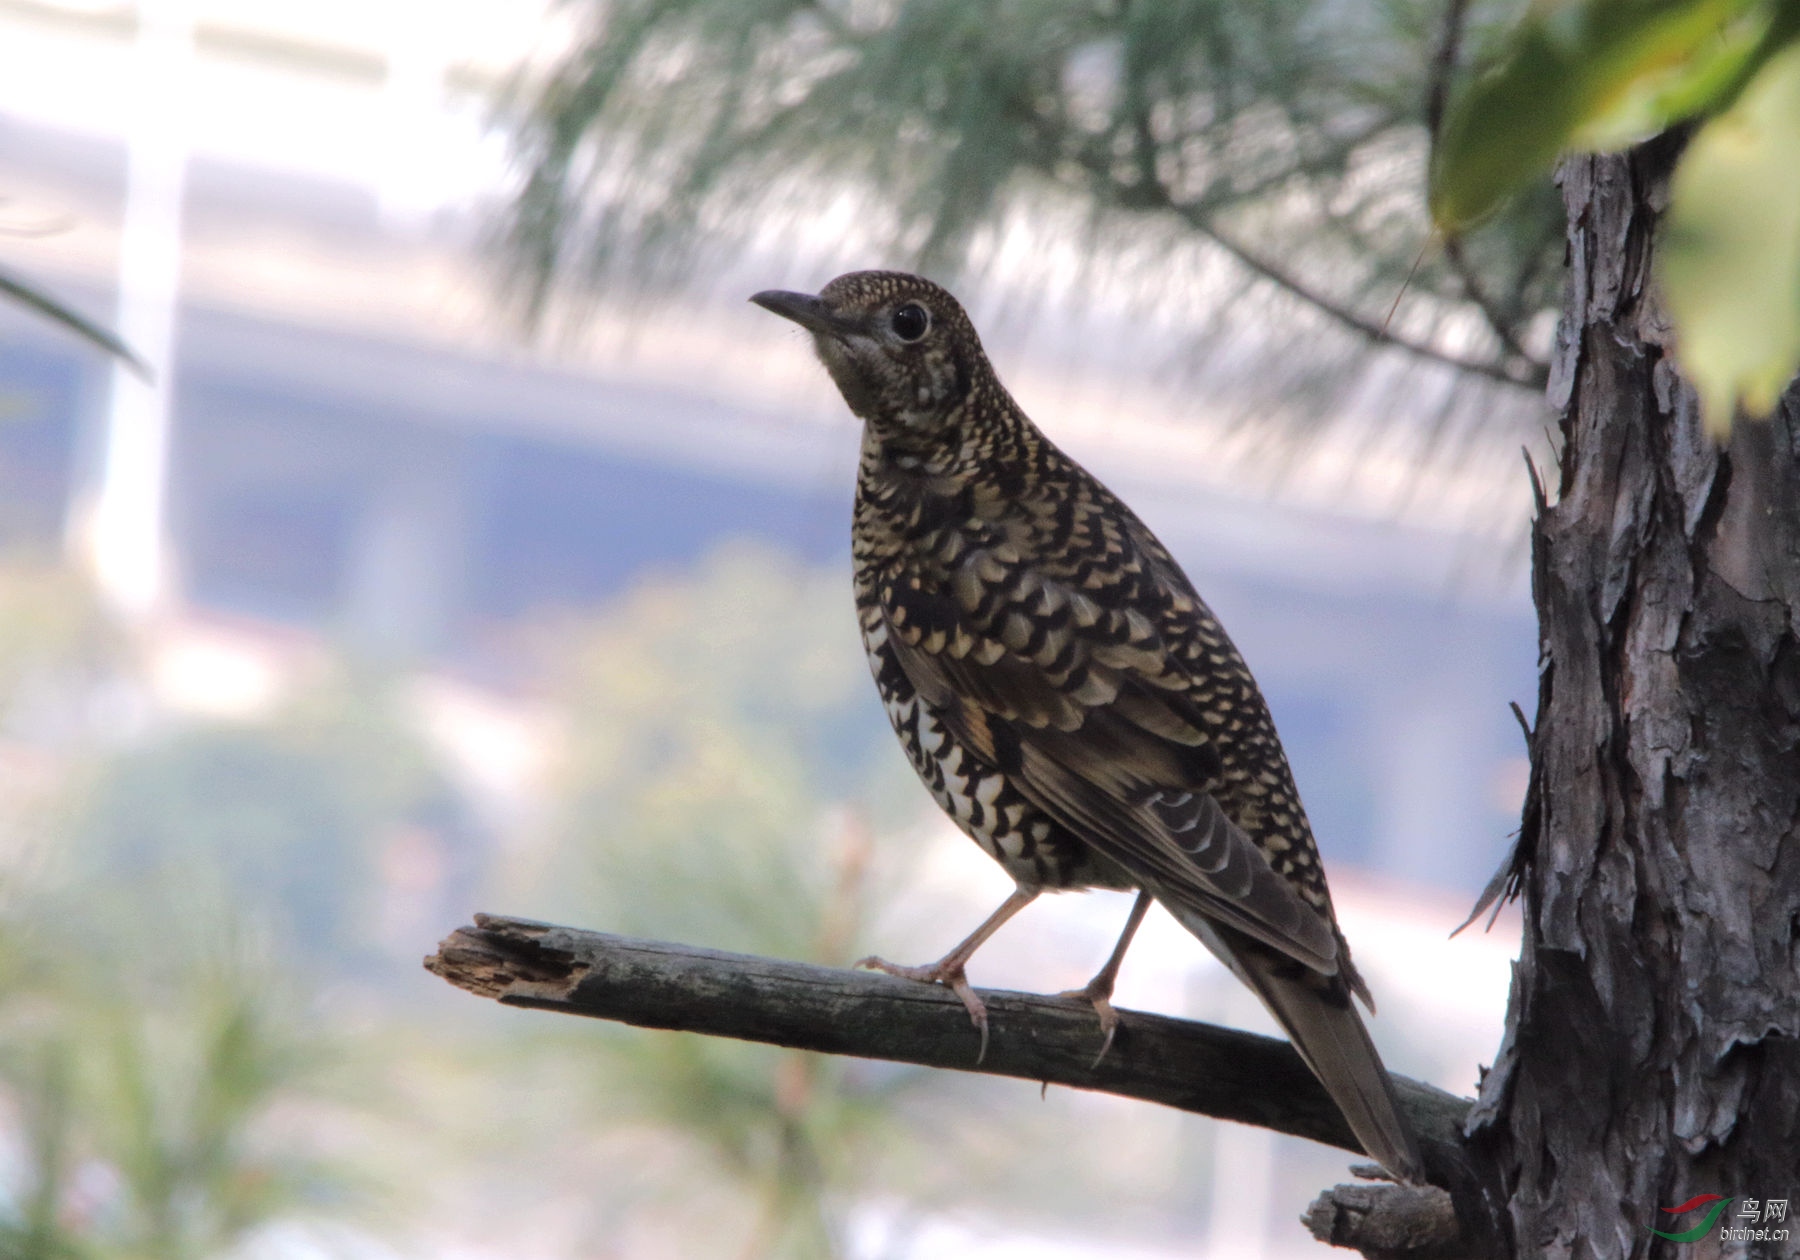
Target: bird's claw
(1100, 997)
(952, 978)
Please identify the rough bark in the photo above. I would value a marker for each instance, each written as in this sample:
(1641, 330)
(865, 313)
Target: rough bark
(1650, 1053)
(653, 984)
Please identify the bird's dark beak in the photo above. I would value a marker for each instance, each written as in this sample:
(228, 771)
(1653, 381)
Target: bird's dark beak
(803, 308)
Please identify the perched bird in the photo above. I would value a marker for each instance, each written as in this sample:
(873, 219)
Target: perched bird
(1063, 692)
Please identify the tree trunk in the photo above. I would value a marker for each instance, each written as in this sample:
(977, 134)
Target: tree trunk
(1650, 1054)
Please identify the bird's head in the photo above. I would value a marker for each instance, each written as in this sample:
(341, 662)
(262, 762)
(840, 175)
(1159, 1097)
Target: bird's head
(902, 352)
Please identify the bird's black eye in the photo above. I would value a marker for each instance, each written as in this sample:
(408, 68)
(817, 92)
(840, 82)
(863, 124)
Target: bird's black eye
(911, 321)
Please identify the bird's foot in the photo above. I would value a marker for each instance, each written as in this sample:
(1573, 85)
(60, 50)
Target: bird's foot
(950, 974)
(1099, 994)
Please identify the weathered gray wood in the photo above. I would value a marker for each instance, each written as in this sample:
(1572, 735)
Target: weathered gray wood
(1652, 1050)
(1416, 1222)
(1190, 1066)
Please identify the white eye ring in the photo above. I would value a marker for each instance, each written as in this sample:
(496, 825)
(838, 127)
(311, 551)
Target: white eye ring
(910, 322)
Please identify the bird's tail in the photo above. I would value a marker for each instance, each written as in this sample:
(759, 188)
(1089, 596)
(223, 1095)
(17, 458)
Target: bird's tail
(1329, 1034)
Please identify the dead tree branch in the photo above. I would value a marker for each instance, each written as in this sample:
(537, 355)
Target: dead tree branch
(1384, 1220)
(1190, 1066)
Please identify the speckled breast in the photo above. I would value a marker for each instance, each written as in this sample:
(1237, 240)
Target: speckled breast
(1034, 850)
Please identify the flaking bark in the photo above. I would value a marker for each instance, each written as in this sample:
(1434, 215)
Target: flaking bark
(1651, 1050)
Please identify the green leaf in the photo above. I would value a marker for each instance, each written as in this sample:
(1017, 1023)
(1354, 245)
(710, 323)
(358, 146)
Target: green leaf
(1730, 255)
(1704, 79)
(1590, 73)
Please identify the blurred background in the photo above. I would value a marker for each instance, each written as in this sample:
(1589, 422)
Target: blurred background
(472, 544)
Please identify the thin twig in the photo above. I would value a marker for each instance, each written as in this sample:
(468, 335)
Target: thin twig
(1475, 289)
(1530, 378)
(1148, 192)
(1443, 67)
(33, 298)
(1411, 271)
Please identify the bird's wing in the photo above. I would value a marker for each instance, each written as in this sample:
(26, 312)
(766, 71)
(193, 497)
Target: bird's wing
(1085, 705)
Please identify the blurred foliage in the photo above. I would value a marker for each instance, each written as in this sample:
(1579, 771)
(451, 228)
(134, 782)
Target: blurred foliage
(1588, 74)
(283, 820)
(153, 1095)
(62, 662)
(163, 1091)
(1591, 74)
(56, 642)
(1730, 259)
(168, 1086)
(712, 721)
(228, 813)
(777, 1143)
(1291, 137)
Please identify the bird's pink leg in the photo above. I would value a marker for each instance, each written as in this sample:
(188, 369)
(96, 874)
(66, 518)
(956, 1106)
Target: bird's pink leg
(948, 970)
(1099, 989)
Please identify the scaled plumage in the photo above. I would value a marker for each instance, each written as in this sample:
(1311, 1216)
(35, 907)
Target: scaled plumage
(1063, 692)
